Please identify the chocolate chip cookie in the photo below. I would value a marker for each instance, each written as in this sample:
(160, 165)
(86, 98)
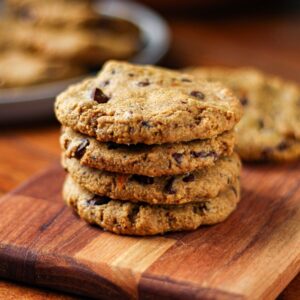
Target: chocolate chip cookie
(143, 219)
(91, 46)
(147, 160)
(190, 187)
(270, 128)
(134, 104)
(19, 68)
(54, 12)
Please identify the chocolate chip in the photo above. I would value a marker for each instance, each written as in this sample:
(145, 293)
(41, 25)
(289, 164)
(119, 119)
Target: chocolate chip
(113, 71)
(25, 14)
(168, 188)
(177, 157)
(197, 94)
(105, 83)
(98, 200)
(244, 101)
(142, 179)
(130, 74)
(234, 190)
(131, 130)
(81, 148)
(203, 154)
(143, 83)
(133, 214)
(198, 120)
(99, 96)
(145, 124)
(200, 208)
(188, 178)
(266, 152)
(186, 80)
(261, 124)
(282, 146)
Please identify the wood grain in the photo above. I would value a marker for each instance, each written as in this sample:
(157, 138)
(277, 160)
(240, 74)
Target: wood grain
(254, 254)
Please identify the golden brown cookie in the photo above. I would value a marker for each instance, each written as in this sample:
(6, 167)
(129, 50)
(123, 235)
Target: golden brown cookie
(19, 68)
(270, 128)
(190, 187)
(134, 104)
(54, 12)
(90, 46)
(147, 160)
(143, 219)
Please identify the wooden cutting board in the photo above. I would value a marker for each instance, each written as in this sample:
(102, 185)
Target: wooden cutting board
(254, 254)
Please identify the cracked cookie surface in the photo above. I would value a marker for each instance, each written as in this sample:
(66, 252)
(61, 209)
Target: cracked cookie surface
(191, 187)
(132, 104)
(270, 127)
(147, 160)
(143, 219)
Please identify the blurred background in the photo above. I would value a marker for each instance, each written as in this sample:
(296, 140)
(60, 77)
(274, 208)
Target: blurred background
(53, 43)
(45, 45)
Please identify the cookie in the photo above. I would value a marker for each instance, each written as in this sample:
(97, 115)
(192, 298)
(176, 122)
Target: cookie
(147, 160)
(76, 45)
(143, 219)
(270, 128)
(19, 68)
(54, 12)
(132, 104)
(190, 187)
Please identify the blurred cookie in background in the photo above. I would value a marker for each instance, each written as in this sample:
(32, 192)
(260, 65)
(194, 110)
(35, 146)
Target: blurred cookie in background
(91, 46)
(270, 127)
(54, 12)
(20, 68)
(71, 33)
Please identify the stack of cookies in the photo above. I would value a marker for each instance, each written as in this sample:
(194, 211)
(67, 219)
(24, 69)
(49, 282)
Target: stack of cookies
(149, 150)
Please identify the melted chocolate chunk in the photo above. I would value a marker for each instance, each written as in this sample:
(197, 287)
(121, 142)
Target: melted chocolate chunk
(169, 189)
(130, 74)
(188, 178)
(186, 80)
(244, 101)
(142, 179)
(197, 94)
(282, 146)
(177, 157)
(98, 200)
(81, 148)
(133, 214)
(99, 96)
(203, 154)
(145, 124)
(143, 83)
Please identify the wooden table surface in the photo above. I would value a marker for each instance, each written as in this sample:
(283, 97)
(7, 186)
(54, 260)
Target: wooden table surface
(268, 41)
